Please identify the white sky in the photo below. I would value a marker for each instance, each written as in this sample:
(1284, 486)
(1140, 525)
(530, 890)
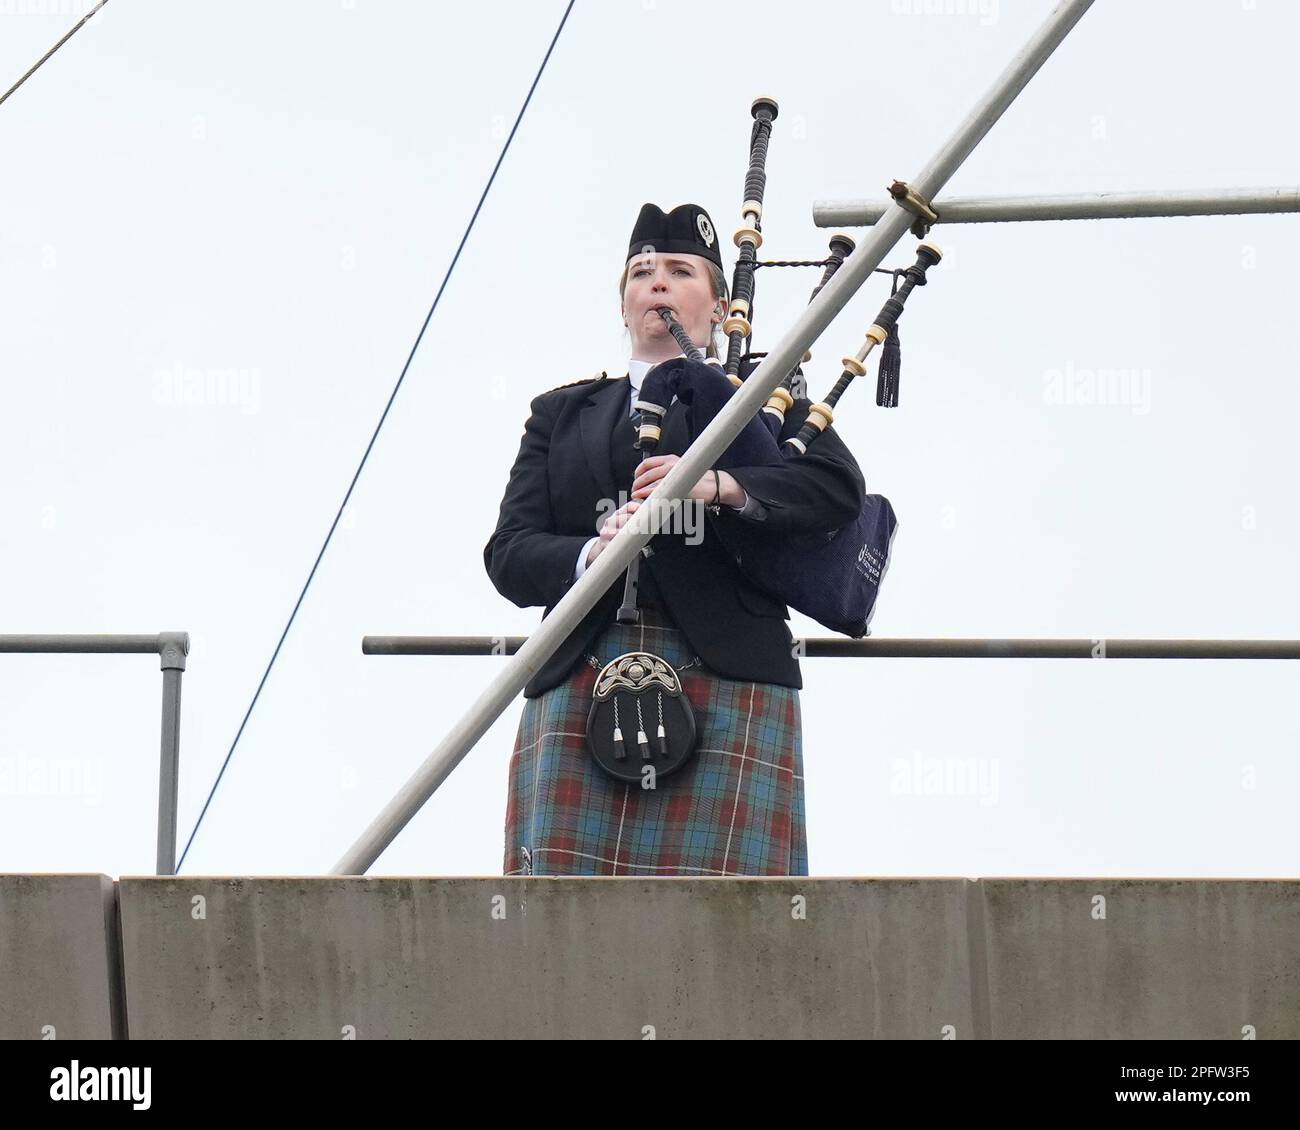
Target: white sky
(277, 189)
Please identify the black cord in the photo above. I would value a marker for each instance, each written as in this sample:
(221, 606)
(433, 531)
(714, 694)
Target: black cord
(36, 66)
(334, 525)
(823, 262)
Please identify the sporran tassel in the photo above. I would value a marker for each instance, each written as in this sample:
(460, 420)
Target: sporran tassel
(661, 738)
(642, 742)
(620, 752)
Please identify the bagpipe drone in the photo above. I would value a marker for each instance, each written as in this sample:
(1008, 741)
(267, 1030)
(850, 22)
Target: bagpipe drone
(834, 577)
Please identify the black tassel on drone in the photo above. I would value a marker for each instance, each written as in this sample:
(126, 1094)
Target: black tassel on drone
(891, 360)
(891, 357)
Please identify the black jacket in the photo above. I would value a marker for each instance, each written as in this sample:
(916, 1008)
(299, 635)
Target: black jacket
(563, 473)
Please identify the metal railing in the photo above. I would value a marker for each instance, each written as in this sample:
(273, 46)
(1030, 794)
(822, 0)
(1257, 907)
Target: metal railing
(171, 649)
(1072, 206)
(824, 647)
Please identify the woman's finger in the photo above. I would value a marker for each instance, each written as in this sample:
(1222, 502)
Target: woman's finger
(649, 478)
(664, 462)
(616, 520)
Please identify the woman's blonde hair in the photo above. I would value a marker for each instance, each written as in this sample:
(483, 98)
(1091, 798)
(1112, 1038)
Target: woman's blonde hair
(719, 281)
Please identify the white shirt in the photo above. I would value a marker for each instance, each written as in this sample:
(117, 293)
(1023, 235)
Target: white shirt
(636, 371)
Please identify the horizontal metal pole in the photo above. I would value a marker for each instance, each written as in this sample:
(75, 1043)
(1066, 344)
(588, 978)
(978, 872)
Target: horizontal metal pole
(828, 647)
(441, 645)
(86, 645)
(1072, 206)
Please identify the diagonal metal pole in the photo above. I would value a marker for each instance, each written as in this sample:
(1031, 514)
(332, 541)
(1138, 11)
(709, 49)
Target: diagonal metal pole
(748, 400)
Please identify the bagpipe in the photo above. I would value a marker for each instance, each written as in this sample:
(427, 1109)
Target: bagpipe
(832, 577)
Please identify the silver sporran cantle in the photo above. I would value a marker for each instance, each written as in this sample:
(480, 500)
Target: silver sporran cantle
(641, 726)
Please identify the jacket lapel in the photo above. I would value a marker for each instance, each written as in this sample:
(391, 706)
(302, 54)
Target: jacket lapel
(605, 408)
(606, 405)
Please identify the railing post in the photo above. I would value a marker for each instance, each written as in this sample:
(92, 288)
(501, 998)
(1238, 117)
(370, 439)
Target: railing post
(172, 650)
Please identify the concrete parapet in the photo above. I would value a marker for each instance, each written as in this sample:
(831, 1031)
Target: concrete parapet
(382, 958)
(386, 958)
(1206, 959)
(60, 972)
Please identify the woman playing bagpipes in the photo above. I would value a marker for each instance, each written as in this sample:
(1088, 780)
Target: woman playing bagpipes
(664, 739)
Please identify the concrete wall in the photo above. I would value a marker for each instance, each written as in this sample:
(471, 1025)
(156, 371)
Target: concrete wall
(1131, 959)
(60, 968)
(502, 958)
(331, 958)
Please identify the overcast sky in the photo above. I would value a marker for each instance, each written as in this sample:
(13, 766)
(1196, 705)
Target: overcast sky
(268, 196)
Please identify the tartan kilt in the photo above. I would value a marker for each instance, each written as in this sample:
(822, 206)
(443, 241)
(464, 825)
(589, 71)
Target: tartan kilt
(735, 808)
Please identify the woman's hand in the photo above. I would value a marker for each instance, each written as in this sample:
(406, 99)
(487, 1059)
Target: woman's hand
(650, 471)
(610, 526)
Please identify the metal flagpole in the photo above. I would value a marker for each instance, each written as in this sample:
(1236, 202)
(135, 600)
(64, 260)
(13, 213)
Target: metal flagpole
(1072, 206)
(716, 437)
